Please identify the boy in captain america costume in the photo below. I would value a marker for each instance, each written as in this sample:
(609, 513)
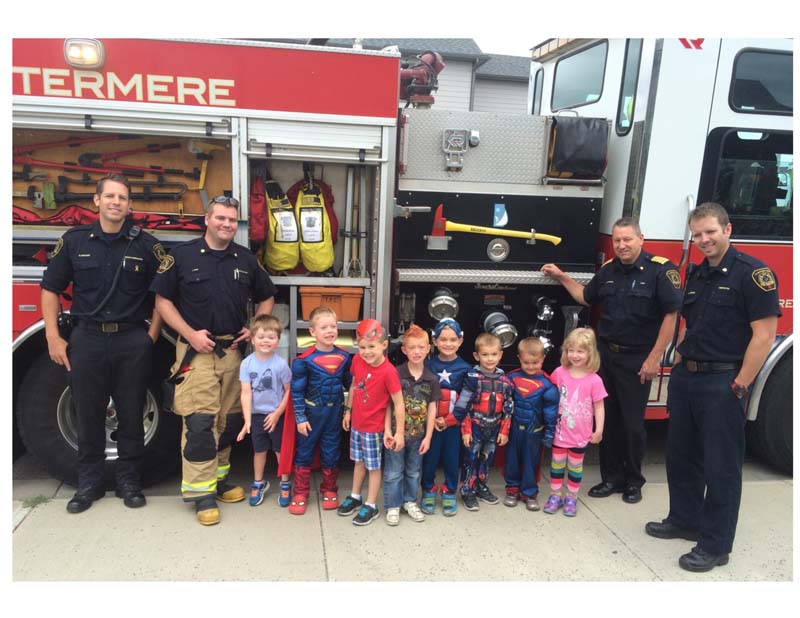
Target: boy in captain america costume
(319, 378)
(445, 447)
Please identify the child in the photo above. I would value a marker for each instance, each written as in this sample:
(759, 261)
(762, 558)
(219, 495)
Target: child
(485, 405)
(451, 370)
(582, 393)
(375, 381)
(265, 378)
(319, 377)
(420, 394)
(532, 424)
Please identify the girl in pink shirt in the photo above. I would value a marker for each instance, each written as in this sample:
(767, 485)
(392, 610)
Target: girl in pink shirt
(580, 416)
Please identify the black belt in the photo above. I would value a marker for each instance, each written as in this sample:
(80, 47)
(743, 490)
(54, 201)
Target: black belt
(615, 347)
(220, 344)
(108, 327)
(708, 366)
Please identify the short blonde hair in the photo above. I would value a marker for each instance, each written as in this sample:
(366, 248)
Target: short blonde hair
(267, 323)
(584, 339)
(487, 340)
(318, 312)
(532, 346)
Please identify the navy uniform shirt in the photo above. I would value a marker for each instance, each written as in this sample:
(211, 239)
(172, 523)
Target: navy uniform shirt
(211, 288)
(89, 258)
(634, 298)
(720, 303)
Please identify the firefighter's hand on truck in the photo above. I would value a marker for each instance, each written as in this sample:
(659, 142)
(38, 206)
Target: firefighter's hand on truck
(57, 348)
(649, 369)
(304, 428)
(201, 342)
(551, 270)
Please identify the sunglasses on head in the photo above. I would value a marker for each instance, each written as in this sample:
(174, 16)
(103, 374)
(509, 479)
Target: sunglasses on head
(224, 199)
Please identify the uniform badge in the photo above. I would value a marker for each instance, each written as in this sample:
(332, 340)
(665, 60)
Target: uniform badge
(674, 278)
(166, 264)
(764, 279)
(59, 245)
(165, 260)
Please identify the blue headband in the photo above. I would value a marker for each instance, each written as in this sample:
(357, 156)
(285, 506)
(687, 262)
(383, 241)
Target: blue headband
(447, 323)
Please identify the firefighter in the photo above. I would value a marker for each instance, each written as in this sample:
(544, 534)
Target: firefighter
(639, 296)
(731, 310)
(202, 291)
(110, 264)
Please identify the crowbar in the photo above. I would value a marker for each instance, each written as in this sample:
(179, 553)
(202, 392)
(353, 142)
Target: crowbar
(441, 225)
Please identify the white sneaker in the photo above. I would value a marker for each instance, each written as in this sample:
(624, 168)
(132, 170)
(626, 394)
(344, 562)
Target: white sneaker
(414, 512)
(393, 516)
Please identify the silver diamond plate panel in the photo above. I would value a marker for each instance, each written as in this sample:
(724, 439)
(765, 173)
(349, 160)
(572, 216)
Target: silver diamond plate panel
(452, 275)
(512, 147)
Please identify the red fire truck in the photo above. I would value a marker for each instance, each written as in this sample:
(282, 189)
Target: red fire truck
(695, 120)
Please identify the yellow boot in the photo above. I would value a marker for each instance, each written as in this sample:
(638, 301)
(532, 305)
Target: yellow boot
(207, 511)
(229, 493)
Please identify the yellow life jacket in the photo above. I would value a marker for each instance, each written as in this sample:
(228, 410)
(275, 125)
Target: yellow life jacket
(282, 250)
(316, 243)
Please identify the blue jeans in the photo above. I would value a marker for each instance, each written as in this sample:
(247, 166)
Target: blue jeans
(401, 473)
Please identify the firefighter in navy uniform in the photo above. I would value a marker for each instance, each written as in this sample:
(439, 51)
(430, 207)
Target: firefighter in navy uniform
(731, 309)
(203, 291)
(639, 296)
(110, 264)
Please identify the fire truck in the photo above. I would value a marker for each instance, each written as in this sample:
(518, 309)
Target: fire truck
(439, 213)
(695, 120)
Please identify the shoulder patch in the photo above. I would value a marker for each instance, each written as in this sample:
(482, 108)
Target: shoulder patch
(167, 263)
(59, 246)
(674, 278)
(658, 259)
(764, 279)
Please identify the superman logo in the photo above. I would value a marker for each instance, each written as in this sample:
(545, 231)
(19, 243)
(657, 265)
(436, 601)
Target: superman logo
(526, 386)
(330, 363)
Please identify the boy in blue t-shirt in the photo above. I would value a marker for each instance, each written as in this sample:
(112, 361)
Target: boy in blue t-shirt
(265, 379)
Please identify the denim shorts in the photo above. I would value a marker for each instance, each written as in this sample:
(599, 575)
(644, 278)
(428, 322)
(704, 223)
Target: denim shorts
(264, 440)
(366, 446)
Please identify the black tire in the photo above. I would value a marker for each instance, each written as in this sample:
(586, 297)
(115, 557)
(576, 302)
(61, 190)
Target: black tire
(46, 420)
(771, 433)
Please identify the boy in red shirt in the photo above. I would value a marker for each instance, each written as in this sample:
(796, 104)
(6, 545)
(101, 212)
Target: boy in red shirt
(375, 381)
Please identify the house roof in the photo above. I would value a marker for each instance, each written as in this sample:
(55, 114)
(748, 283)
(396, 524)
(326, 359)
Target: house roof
(514, 68)
(452, 48)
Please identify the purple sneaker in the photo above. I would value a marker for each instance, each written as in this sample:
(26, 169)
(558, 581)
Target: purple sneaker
(554, 502)
(570, 506)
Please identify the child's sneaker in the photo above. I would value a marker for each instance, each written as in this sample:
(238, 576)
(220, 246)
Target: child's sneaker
(554, 502)
(257, 491)
(470, 502)
(330, 500)
(448, 504)
(349, 506)
(484, 494)
(392, 516)
(511, 499)
(428, 503)
(414, 511)
(285, 494)
(531, 504)
(570, 507)
(366, 514)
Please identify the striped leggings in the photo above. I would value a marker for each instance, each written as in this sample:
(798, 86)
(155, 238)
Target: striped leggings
(572, 460)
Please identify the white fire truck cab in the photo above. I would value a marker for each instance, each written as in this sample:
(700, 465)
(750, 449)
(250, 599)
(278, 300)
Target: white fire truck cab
(694, 120)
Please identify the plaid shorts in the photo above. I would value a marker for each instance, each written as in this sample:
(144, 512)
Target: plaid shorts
(366, 446)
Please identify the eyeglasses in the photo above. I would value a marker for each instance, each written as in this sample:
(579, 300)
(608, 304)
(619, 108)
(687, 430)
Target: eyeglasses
(224, 199)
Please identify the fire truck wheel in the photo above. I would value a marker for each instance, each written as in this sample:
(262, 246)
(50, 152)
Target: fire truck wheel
(771, 433)
(48, 425)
